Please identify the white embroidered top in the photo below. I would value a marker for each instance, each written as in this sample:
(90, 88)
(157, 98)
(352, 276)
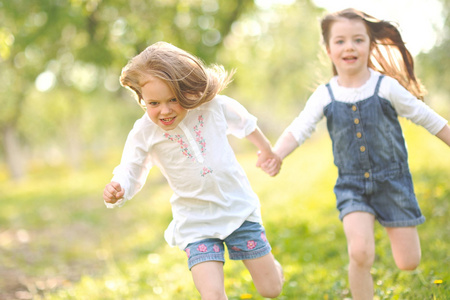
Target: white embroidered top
(212, 195)
(404, 103)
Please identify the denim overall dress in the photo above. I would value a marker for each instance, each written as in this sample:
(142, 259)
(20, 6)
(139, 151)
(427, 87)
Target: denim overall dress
(370, 153)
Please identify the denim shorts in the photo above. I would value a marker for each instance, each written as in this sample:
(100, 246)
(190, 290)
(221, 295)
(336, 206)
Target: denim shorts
(389, 197)
(247, 242)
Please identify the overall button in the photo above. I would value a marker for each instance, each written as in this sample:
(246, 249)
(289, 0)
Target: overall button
(354, 108)
(356, 121)
(367, 174)
(358, 135)
(362, 148)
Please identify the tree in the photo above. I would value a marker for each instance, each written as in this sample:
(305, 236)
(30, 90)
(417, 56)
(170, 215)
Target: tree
(279, 60)
(26, 46)
(435, 65)
(69, 49)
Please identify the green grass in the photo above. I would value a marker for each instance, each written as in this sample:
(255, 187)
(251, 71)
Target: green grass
(58, 241)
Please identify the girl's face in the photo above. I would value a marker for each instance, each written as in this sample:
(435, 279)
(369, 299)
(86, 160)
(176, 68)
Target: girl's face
(349, 47)
(162, 106)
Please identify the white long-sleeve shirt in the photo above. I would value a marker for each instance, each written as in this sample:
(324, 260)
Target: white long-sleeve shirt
(405, 104)
(212, 195)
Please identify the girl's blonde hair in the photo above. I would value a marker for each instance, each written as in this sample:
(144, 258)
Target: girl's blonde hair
(389, 54)
(189, 79)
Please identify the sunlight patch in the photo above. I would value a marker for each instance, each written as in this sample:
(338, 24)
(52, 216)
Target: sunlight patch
(153, 258)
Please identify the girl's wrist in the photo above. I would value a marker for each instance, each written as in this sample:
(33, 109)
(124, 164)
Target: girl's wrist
(266, 151)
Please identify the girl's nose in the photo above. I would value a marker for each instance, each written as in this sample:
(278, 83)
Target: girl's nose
(165, 109)
(349, 46)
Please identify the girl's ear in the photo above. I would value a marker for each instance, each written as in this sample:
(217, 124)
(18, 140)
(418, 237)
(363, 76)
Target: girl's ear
(328, 50)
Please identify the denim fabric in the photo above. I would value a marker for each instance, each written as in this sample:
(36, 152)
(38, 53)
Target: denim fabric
(370, 153)
(247, 242)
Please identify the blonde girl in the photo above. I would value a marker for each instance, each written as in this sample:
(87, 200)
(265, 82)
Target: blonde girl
(373, 84)
(184, 133)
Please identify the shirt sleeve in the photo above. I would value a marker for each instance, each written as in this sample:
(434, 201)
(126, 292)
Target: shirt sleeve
(305, 124)
(240, 122)
(408, 106)
(135, 164)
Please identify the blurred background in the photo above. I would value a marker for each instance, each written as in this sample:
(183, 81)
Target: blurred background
(64, 119)
(60, 61)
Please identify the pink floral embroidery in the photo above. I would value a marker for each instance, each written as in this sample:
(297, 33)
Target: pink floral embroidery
(251, 244)
(199, 138)
(188, 252)
(236, 248)
(205, 171)
(216, 248)
(202, 248)
(183, 145)
(263, 237)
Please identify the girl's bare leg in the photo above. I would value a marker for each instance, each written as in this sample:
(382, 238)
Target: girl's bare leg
(359, 230)
(209, 280)
(267, 275)
(405, 245)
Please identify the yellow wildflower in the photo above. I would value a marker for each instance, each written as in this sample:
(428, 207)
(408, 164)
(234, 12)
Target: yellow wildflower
(246, 296)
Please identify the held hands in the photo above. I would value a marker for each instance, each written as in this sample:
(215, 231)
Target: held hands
(269, 162)
(113, 192)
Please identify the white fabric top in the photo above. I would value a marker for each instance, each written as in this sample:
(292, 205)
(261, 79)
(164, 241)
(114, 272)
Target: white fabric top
(404, 103)
(212, 195)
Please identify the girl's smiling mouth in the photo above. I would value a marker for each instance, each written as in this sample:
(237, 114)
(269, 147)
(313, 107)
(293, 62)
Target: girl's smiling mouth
(168, 121)
(350, 58)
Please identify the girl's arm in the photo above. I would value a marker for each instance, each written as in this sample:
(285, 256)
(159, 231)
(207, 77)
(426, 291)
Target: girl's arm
(408, 106)
(285, 145)
(130, 175)
(304, 124)
(265, 155)
(444, 134)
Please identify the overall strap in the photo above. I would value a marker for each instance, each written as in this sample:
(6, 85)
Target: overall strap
(330, 91)
(377, 88)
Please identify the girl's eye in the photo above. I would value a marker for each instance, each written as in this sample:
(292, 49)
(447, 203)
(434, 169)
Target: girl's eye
(153, 103)
(359, 40)
(173, 100)
(339, 42)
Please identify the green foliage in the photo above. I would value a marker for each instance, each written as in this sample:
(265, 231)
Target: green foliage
(58, 241)
(58, 58)
(435, 65)
(276, 51)
(61, 60)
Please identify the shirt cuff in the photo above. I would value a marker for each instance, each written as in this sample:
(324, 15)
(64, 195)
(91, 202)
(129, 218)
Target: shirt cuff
(119, 203)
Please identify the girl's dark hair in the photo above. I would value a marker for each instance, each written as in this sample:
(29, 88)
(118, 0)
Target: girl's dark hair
(186, 75)
(389, 54)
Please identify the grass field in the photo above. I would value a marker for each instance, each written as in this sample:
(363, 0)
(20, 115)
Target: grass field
(58, 241)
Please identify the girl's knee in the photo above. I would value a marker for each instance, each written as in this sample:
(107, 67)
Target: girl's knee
(267, 275)
(274, 288)
(408, 264)
(407, 267)
(361, 255)
(271, 288)
(271, 291)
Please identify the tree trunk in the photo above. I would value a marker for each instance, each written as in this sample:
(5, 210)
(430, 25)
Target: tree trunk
(13, 153)
(74, 145)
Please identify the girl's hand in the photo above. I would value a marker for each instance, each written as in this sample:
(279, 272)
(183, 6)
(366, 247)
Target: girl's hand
(266, 157)
(113, 192)
(269, 163)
